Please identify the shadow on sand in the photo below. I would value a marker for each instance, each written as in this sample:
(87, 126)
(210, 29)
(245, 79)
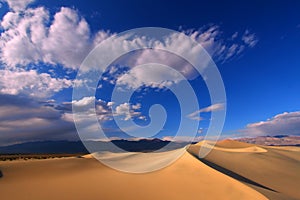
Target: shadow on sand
(233, 174)
(1, 174)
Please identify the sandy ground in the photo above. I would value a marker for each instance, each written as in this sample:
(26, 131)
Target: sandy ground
(256, 173)
(273, 171)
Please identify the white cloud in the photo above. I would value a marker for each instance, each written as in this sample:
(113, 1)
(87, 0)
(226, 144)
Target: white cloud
(183, 138)
(235, 35)
(127, 110)
(109, 104)
(68, 39)
(31, 37)
(18, 5)
(31, 83)
(195, 117)
(211, 108)
(287, 123)
(87, 107)
(22, 37)
(151, 76)
(104, 109)
(249, 39)
(232, 50)
(84, 101)
(219, 49)
(200, 131)
(136, 106)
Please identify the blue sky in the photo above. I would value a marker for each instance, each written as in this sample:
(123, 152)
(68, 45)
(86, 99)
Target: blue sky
(254, 44)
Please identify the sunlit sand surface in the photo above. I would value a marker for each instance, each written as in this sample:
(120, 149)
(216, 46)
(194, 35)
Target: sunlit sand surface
(225, 146)
(137, 162)
(273, 171)
(86, 178)
(232, 170)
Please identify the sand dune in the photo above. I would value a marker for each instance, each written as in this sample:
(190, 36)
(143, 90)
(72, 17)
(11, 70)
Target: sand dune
(86, 178)
(138, 162)
(226, 144)
(287, 148)
(273, 171)
(237, 147)
(232, 170)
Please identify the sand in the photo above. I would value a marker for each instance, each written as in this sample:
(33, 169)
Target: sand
(273, 171)
(137, 162)
(236, 147)
(86, 178)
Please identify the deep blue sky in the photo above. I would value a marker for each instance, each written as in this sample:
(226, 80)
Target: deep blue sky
(261, 82)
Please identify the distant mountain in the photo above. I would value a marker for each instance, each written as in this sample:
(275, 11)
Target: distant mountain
(70, 147)
(45, 147)
(277, 140)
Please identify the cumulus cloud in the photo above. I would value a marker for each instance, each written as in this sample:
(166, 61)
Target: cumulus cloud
(287, 123)
(84, 101)
(150, 76)
(89, 106)
(27, 39)
(211, 108)
(18, 5)
(30, 83)
(23, 119)
(31, 37)
(128, 111)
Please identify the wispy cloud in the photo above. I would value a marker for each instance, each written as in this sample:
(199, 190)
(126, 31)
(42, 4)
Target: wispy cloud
(34, 37)
(188, 139)
(221, 50)
(211, 108)
(249, 38)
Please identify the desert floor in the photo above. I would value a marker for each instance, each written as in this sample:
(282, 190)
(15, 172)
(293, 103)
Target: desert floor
(232, 170)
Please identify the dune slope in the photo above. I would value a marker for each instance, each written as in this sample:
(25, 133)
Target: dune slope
(86, 178)
(275, 172)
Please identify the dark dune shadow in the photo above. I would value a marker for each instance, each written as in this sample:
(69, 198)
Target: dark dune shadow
(232, 174)
(1, 174)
